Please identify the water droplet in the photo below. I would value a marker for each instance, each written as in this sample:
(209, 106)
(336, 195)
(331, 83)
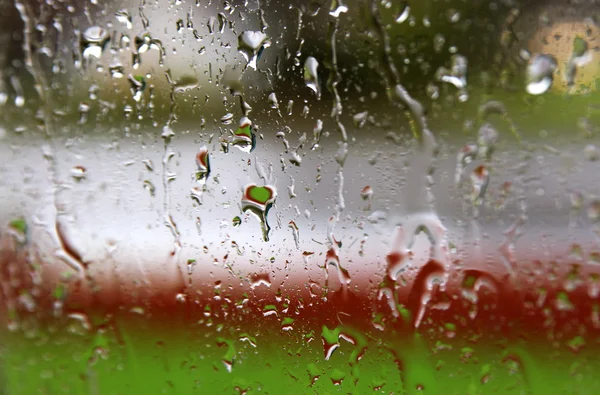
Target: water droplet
(258, 279)
(227, 119)
(124, 17)
(296, 232)
(457, 75)
(251, 44)
(84, 109)
(137, 86)
(202, 173)
(116, 70)
(259, 200)
(93, 42)
(480, 178)
(317, 133)
(78, 173)
(431, 275)
(337, 376)
(273, 101)
(185, 83)
(360, 119)
(244, 138)
(332, 259)
(145, 43)
(337, 8)
(404, 13)
(453, 15)
(540, 72)
(311, 78)
(366, 193)
(149, 186)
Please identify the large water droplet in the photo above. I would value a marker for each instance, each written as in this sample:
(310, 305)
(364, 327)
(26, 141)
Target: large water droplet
(258, 200)
(137, 85)
(244, 138)
(124, 17)
(311, 78)
(540, 74)
(93, 42)
(203, 164)
(337, 8)
(251, 44)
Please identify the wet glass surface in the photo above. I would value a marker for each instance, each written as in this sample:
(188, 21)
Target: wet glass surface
(299, 197)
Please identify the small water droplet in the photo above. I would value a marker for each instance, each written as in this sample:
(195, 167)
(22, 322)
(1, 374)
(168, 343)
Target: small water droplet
(116, 70)
(360, 119)
(366, 193)
(137, 86)
(78, 173)
(227, 119)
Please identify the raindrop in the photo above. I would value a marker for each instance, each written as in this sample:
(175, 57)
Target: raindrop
(78, 173)
(404, 13)
(185, 83)
(137, 86)
(296, 232)
(251, 44)
(93, 42)
(244, 138)
(116, 70)
(273, 101)
(540, 74)
(258, 200)
(258, 279)
(457, 75)
(360, 119)
(203, 165)
(311, 78)
(227, 119)
(337, 8)
(366, 193)
(124, 17)
(453, 15)
(84, 109)
(480, 178)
